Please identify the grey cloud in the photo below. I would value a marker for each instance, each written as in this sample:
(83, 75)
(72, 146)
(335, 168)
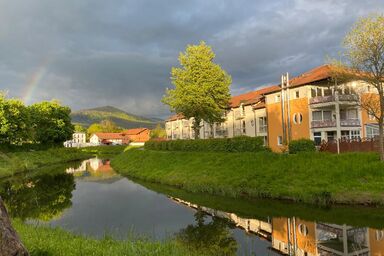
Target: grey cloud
(120, 52)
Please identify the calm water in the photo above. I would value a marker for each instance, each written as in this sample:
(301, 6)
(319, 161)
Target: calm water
(90, 198)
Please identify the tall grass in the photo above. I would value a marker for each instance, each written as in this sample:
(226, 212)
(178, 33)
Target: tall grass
(46, 241)
(318, 178)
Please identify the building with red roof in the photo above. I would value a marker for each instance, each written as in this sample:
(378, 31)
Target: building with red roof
(311, 105)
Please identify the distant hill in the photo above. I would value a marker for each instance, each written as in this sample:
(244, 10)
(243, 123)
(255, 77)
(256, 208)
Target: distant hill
(121, 118)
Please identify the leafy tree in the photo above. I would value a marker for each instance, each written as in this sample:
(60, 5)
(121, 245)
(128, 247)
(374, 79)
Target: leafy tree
(158, 132)
(79, 128)
(213, 237)
(103, 126)
(364, 61)
(14, 121)
(201, 87)
(51, 122)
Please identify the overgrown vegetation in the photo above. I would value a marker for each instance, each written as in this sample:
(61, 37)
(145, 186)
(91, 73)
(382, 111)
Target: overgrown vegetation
(236, 144)
(317, 178)
(54, 241)
(301, 145)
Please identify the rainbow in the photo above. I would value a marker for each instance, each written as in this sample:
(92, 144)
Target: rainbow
(34, 80)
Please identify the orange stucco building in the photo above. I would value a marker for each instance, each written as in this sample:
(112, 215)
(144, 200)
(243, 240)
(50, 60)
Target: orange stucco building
(310, 106)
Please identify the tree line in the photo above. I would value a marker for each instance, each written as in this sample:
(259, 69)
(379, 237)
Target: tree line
(46, 122)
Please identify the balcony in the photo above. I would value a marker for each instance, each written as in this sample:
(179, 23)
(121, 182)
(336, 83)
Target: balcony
(332, 123)
(352, 98)
(263, 129)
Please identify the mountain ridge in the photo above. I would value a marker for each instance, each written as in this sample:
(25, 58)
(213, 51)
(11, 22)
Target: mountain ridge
(121, 118)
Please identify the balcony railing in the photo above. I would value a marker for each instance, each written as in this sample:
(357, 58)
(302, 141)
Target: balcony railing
(331, 98)
(350, 122)
(332, 123)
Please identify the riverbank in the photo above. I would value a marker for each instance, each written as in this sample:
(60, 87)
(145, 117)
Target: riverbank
(21, 161)
(54, 241)
(316, 178)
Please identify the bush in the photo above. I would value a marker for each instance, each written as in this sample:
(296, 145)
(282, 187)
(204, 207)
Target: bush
(301, 145)
(237, 144)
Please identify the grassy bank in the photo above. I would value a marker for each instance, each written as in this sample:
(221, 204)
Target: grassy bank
(318, 178)
(19, 161)
(52, 241)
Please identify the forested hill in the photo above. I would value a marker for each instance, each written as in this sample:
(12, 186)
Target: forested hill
(121, 118)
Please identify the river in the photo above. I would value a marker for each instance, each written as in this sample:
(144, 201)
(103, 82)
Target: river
(90, 198)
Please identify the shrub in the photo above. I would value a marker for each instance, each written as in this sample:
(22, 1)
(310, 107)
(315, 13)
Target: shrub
(237, 144)
(301, 145)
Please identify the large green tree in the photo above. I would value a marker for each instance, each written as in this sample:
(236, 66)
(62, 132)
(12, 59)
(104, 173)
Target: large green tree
(201, 87)
(364, 61)
(14, 121)
(51, 122)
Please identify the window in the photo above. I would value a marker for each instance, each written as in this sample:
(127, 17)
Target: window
(297, 94)
(263, 124)
(303, 230)
(371, 116)
(352, 114)
(313, 92)
(355, 134)
(244, 130)
(379, 235)
(327, 115)
(317, 116)
(317, 138)
(345, 135)
(330, 136)
(297, 118)
(279, 140)
(327, 92)
(343, 114)
(372, 131)
(277, 98)
(319, 92)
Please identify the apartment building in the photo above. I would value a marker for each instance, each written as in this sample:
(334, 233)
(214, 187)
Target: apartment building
(311, 105)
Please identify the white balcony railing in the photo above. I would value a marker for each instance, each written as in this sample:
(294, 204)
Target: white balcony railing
(331, 98)
(332, 123)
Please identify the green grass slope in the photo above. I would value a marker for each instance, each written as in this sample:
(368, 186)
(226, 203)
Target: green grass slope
(121, 118)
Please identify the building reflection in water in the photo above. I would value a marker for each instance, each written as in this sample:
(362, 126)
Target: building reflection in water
(294, 236)
(95, 169)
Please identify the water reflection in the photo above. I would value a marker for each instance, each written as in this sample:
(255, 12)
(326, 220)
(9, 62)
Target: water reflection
(42, 197)
(92, 199)
(95, 169)
(294, 236)
(212, 236)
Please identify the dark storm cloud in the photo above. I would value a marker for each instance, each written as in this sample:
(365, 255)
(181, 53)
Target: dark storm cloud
(94, 52)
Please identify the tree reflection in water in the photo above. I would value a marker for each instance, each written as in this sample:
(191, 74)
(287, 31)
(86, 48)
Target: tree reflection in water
(43, 197)
(214, 236)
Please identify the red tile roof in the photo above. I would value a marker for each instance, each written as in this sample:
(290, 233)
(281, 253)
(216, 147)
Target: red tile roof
(251, 97)
(110, 135)
(134, 131)
(314, 75)
(176, 117)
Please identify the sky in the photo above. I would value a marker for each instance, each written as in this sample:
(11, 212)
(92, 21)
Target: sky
(92, 53)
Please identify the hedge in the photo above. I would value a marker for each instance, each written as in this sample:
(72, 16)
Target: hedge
(301, 145)
(236, 144)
